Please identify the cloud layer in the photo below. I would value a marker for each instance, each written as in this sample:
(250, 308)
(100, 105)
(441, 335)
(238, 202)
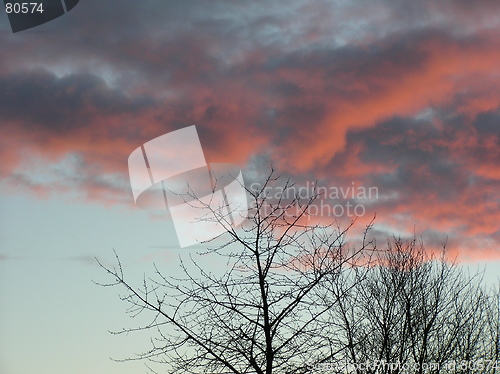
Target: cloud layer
(401, 96)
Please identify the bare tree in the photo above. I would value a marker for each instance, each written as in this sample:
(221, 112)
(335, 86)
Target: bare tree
(295, 297)
(412, 311)
(267, 311)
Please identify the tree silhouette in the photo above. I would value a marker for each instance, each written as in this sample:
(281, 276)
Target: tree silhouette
(412, 308)
(295, 297)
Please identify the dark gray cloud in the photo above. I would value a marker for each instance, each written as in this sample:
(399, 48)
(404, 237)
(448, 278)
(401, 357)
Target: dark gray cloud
(40, 99)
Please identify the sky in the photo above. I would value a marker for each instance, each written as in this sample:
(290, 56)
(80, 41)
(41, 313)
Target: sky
(400, 96)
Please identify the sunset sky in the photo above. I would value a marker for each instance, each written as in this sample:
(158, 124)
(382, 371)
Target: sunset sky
(399, 95)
